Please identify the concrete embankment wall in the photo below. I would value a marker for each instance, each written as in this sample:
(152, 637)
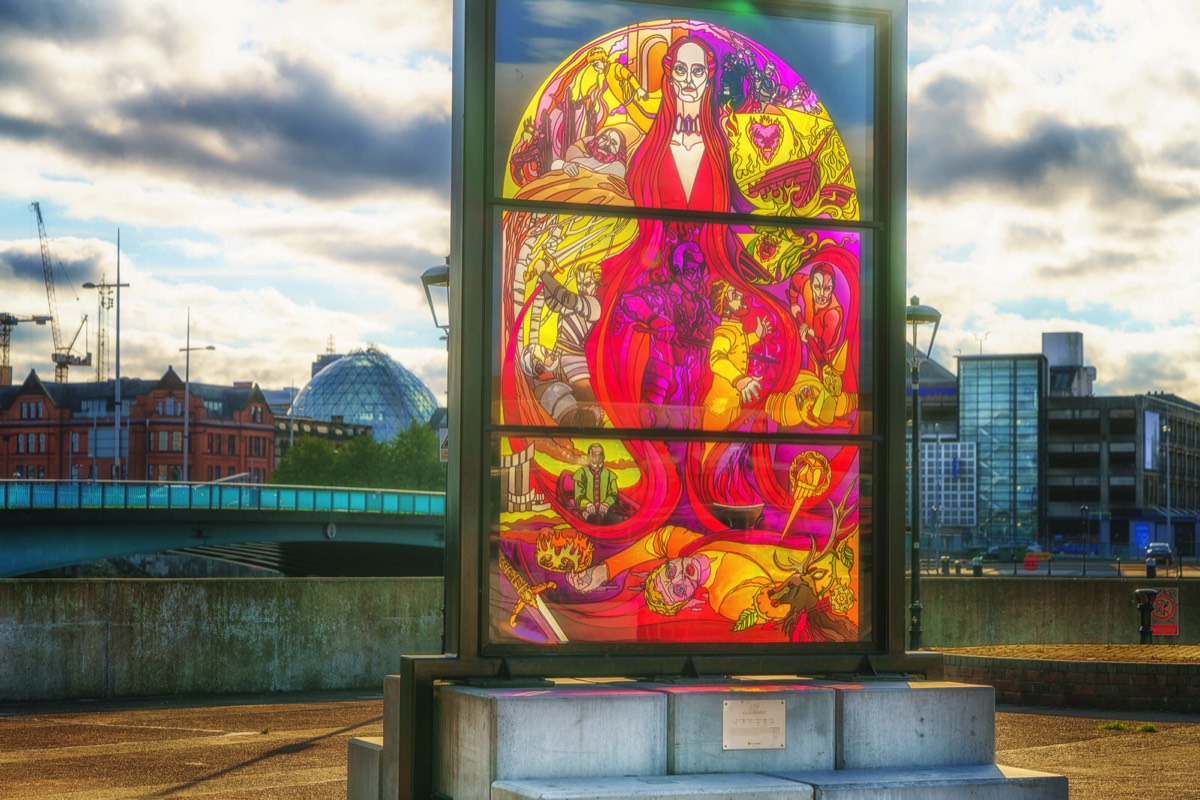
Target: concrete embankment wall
(966, 612)
(119, 638)
(64, 639)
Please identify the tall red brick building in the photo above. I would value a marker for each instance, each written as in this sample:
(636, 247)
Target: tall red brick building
(62, 431)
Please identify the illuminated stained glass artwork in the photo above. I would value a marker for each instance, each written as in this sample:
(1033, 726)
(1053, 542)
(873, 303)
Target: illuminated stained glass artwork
(613, 322)
(663, 266)
(681, 114)
(605, 540)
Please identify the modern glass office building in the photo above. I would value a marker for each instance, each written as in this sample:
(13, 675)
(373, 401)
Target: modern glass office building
(1002, 410)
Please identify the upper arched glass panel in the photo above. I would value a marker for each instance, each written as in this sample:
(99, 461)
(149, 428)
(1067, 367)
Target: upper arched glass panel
(732, 114)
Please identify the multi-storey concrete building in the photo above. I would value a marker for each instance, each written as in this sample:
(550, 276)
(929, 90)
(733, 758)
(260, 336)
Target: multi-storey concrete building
(1124, 471)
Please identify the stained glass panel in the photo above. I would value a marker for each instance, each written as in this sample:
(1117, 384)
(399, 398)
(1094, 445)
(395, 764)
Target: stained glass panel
(681, 114)
(677, 248)
(609, 321)
(775, 113)
(625, 541)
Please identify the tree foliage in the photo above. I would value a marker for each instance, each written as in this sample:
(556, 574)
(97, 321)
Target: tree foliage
(409, 461)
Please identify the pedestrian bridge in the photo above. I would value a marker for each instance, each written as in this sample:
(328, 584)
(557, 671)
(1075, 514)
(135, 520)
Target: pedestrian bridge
(294, 529)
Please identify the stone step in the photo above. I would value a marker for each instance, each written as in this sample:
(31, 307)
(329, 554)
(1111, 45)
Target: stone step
(362, 767)
(980, 782)
(913, 724)
(987, 782)
(720, 786)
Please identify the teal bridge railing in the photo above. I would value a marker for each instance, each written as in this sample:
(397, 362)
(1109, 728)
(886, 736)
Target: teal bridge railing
(19, 495)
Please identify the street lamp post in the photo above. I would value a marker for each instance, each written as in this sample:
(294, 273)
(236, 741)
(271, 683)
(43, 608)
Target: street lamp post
(116, 360)
(1166, 429)
(916, 315)
(187, 393)
(1085, 514)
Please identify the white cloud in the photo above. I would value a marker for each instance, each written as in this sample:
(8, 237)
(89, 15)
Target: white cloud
(1062, 212)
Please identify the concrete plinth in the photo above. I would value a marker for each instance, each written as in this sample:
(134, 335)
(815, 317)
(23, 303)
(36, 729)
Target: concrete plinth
(485, 735)
(362, 768)
(810, 740)
(670, 787)
(901, 724)
(695, 728)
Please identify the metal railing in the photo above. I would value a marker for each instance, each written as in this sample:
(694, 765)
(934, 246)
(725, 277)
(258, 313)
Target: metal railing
(59, 495)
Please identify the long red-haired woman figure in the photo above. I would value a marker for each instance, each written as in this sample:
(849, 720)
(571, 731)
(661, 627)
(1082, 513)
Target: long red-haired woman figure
(682, 162)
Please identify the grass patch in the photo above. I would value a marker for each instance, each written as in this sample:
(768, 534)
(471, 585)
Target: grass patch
(1113, 726)
(265, 730)
(1145, 727)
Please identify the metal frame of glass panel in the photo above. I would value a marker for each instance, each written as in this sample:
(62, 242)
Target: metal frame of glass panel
(470, 653)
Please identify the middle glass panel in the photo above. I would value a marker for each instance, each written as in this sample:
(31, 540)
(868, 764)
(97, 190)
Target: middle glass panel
(616, 322)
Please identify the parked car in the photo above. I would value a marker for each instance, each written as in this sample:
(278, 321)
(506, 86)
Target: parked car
(1160, 552)
(995, 553)
(1076, 548)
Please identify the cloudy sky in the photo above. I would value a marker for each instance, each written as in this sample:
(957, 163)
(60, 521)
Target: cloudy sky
(282, 168)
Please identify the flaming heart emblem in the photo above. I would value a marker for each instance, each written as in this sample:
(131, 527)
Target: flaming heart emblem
(765, 138)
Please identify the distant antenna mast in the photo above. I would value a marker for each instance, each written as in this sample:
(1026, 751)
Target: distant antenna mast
(329, 345)
(104, 304)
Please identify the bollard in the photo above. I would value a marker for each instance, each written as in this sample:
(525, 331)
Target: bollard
(977, 566)
(1118, 566)
(1145, 600)
(958, 566)
(944, 563)
(1151, 568)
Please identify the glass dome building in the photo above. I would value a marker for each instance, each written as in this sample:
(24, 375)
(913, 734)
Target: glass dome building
(366, 387)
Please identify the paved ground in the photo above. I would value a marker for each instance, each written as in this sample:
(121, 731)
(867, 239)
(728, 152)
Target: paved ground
(1105, 764)
(294, 746)
(268, 747)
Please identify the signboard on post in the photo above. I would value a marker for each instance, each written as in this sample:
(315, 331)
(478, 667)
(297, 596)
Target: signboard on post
(1164, 618)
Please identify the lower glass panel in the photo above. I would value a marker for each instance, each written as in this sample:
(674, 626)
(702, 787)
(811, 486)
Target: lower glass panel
(602, 540)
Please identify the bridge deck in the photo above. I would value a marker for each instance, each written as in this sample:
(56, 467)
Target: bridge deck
(61, 495)
(48, 524)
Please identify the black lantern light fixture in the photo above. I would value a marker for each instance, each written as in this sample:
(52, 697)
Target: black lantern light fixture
(436, 281)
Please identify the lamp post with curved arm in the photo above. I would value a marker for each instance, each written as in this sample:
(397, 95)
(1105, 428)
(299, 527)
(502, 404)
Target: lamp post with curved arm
(915, 316)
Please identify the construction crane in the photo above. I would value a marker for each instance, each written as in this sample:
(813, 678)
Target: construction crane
(7, 323)
(62, 356)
